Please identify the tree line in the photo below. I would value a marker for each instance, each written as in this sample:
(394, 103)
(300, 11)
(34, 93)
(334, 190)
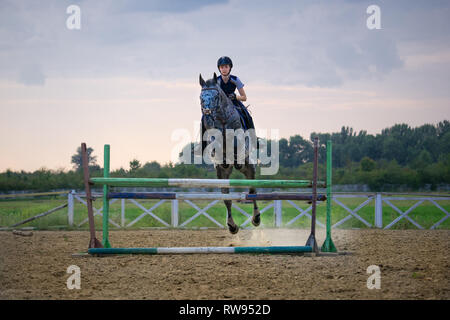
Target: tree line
(399, 156)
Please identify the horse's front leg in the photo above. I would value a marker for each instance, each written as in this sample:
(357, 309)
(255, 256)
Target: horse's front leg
(223, 172)
(249, 171)
(232, 226)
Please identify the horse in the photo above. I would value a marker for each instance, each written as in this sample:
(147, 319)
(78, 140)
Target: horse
(220, 113)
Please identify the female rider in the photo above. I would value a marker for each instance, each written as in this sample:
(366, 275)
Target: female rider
(229, 83)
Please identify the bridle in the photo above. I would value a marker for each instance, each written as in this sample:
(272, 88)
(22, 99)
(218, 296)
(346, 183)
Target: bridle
(207, 111)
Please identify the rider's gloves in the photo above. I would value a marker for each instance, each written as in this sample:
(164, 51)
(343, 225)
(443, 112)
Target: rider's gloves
(232, 96)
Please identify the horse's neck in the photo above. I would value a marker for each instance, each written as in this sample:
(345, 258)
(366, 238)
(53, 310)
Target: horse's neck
(226, 110)
(225, 106)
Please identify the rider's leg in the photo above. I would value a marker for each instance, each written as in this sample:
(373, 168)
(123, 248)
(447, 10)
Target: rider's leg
(246, 115)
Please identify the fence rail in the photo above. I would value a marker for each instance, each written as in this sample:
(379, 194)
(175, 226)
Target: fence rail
(277, 205)
(36, 194)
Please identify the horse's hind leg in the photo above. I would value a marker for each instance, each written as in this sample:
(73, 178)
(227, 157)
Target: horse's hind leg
(256, 219)
(224, 173)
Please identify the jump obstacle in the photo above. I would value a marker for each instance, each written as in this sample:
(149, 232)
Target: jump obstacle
(98, 248)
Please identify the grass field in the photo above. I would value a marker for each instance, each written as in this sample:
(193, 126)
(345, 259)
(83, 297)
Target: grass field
(13, 211)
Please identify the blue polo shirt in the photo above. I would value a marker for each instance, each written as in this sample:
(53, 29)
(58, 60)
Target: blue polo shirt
(233, 83)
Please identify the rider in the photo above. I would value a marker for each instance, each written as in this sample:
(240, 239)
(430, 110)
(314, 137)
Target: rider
(229, 83)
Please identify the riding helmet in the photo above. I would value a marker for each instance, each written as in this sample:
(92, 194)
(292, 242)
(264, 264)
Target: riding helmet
(224, 60)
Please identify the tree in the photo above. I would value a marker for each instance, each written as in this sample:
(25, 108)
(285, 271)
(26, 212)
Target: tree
(422, 161)
(77, 159)
(134, 165)
(295, 152)
(152, 166)
(367, 164)
(301, 150)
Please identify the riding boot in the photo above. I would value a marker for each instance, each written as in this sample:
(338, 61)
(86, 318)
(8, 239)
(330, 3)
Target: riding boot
(247, 117)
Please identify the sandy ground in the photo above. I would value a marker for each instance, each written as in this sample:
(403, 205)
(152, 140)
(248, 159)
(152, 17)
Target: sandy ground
(414, 265)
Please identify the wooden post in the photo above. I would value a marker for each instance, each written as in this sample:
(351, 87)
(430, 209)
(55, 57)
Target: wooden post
(328, 245)
(70, 207)
(277, 209)
(174, 212)
(122, 215)
(93, 242)
(312, 237)
(378, 211)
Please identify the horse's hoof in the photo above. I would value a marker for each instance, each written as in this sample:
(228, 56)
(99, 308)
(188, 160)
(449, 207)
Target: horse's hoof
(256, 220)
(233, 229)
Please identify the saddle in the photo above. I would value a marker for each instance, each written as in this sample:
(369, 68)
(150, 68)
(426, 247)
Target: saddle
(246, 118)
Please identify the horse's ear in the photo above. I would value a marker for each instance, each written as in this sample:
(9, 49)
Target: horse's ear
(202, 82)
(215, 78)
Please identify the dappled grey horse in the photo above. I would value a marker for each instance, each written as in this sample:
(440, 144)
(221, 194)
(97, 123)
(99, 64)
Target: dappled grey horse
(219, 113)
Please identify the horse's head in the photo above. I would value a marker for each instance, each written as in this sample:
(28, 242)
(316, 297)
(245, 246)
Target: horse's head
(212, 97)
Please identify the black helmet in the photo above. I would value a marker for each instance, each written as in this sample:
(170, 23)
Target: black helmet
(224, 60)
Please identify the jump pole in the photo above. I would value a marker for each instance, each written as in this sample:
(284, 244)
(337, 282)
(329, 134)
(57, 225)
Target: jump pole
(202, 183)
(193, 250)
(214, 196)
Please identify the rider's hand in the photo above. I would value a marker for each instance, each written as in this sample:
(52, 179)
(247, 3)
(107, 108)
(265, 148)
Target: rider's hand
(232, 96)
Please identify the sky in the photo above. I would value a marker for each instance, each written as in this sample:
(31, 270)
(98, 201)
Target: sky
(128, 76)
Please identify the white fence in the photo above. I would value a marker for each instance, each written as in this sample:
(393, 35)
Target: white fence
(276, 205)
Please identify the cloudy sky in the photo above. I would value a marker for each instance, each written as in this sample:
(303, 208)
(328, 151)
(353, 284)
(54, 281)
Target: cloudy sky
(129, 76)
